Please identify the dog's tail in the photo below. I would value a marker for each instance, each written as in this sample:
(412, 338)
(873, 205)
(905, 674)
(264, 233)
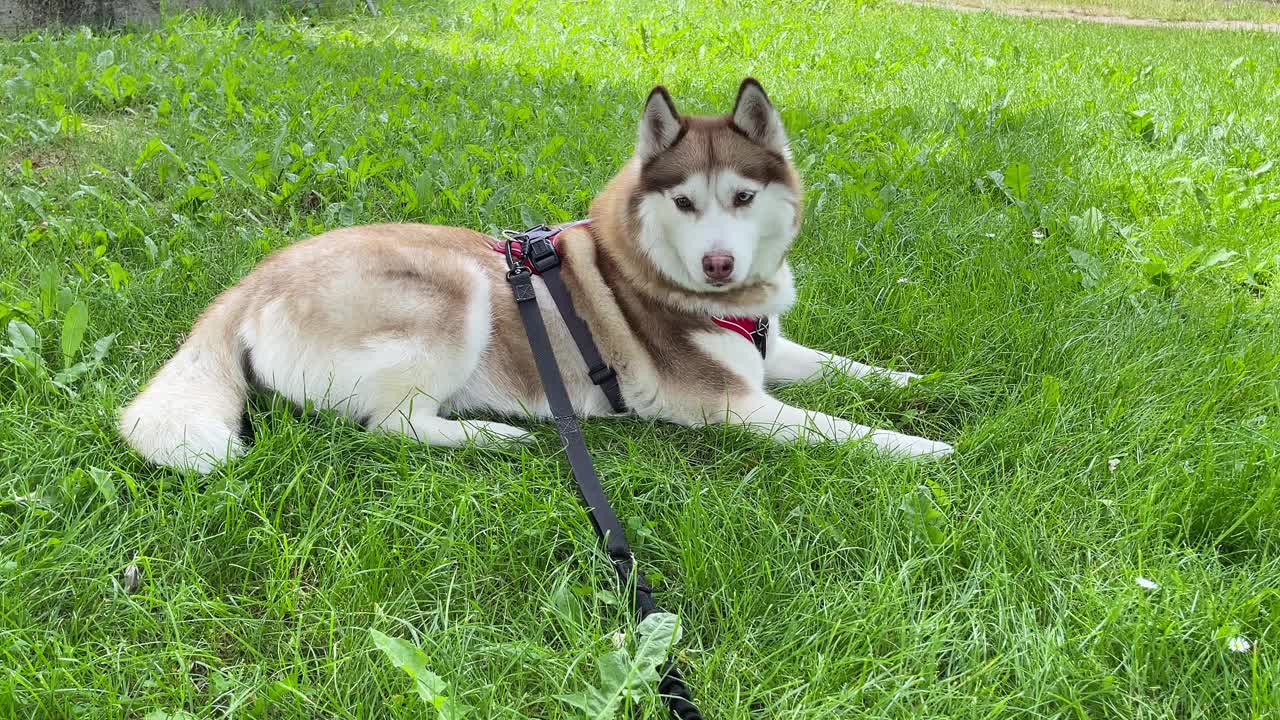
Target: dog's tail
(189, 415)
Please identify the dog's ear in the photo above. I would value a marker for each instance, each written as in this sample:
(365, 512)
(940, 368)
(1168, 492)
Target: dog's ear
(659, 126)
(754, 115)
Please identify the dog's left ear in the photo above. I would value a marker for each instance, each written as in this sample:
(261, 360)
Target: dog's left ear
(754, 115)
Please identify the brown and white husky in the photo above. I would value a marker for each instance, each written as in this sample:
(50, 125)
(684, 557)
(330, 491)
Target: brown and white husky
(409, 328)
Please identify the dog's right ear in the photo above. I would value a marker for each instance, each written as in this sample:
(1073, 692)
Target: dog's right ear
(754, 115)
(659, 126)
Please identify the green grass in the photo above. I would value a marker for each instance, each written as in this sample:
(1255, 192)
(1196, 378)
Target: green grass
(1110, 294)
(1256, 11)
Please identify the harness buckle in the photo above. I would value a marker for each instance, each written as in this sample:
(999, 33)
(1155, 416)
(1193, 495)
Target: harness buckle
(602, 375)
(537, 254)
(540, 253)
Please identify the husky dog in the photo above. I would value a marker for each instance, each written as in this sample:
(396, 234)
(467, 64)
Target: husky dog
(408, 328)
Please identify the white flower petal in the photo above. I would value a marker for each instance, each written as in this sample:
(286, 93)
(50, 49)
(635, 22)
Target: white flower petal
(1147, 584)
(1239, 644)
(1113, 463)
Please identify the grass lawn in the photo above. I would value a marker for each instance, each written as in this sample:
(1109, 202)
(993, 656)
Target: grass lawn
(1258, 11)
(1076, 226)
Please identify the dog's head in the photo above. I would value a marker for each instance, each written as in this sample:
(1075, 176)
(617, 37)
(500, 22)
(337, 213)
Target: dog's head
(716, 202)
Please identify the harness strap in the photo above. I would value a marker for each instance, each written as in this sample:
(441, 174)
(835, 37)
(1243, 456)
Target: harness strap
(546, 263)
(537, 250)
(675, 693)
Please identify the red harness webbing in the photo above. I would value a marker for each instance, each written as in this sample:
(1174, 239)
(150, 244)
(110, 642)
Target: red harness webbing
(744, 326)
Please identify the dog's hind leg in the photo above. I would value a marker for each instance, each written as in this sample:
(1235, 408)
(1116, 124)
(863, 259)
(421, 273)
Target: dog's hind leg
(405, 396)
(407, 379)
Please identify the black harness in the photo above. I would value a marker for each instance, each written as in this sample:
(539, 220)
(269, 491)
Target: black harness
(540, 257)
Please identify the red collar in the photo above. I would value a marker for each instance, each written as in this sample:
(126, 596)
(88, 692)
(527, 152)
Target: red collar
(754, 329)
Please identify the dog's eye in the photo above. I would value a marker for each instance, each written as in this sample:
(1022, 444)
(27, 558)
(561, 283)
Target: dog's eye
(683, 203)
(743, 198)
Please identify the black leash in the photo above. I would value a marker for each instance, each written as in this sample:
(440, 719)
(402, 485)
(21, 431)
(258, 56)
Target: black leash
(541, 254)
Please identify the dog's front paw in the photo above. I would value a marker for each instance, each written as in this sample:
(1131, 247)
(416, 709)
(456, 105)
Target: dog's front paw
(902, 379)
(909, 446)
(495, 435)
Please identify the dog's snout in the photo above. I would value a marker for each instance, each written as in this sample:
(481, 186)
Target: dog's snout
(717, 266)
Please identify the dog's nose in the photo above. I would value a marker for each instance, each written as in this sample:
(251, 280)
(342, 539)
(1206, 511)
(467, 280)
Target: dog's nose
(717, 266)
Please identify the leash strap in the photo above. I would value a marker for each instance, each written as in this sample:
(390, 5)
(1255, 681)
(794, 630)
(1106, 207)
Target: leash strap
(672, 687)
(542, 255)
(536, 251)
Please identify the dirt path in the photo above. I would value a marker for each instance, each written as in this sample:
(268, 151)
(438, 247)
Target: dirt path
(1085, 16)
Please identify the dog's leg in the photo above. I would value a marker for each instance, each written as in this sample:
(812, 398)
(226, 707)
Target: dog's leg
(770, 416)
(405, 381)
(788, 362)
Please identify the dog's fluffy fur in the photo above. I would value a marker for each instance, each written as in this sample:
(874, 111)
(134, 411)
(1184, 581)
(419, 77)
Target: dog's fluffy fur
(406, 328)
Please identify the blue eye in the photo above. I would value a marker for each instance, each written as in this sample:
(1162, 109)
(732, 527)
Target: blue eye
(743, 198)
